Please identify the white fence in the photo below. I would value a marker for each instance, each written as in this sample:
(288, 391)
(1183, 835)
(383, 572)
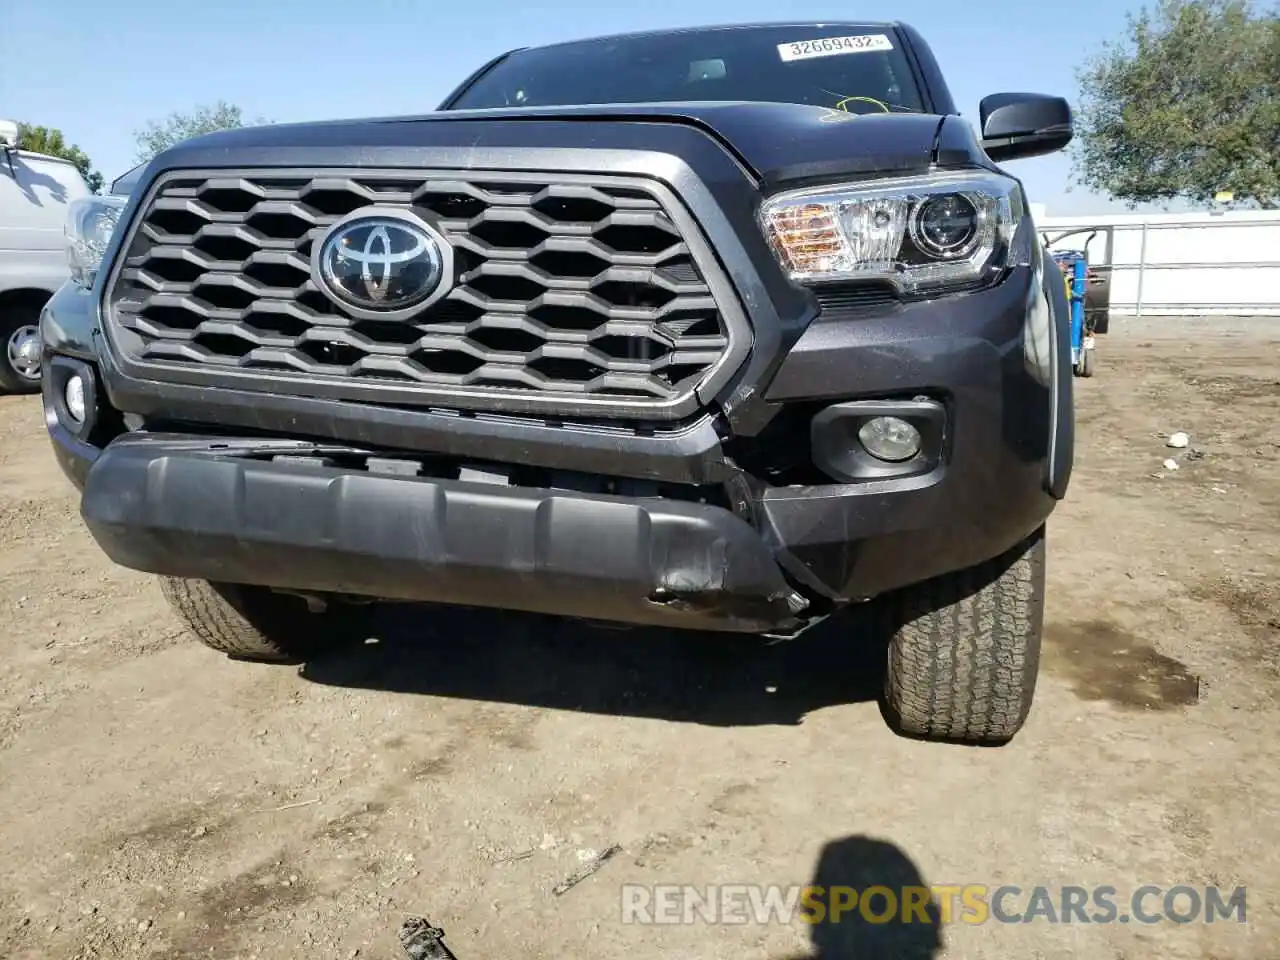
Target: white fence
(1191, 264)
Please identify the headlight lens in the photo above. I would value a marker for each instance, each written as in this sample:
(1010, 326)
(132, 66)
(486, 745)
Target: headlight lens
(947, 227)
(90, 224)
(922, 234)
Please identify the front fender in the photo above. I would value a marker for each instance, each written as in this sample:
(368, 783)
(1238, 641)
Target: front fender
(69, 322)
(1064, 415)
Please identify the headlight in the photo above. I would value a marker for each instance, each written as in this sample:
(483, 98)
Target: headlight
(923, 234)
(90, 223)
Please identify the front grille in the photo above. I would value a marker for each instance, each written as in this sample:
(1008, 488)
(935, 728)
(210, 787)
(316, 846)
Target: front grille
(572, 292)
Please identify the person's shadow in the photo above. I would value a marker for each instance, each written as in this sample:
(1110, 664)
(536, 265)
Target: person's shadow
(858, 863)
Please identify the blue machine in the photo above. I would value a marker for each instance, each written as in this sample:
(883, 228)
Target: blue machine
(1075, 268)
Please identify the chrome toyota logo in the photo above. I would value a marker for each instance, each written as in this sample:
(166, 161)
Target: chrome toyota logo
(383, 263)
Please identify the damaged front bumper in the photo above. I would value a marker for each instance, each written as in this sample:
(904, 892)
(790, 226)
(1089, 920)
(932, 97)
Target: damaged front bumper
(220, 510)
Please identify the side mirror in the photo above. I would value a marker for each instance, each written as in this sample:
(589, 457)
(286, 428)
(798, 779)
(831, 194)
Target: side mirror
(1018, 125)
(8, 135)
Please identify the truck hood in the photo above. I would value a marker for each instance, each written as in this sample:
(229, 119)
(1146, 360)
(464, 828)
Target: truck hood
(772, 141)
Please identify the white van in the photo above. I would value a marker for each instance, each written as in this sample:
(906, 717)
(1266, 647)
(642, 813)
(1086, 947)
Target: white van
(34, 193)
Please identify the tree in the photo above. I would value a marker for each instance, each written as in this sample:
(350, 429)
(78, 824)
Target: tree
(1186, 106)
(49, 141)
(160, 135)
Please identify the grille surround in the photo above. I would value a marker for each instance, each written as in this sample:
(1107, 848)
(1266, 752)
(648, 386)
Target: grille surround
(307, 317)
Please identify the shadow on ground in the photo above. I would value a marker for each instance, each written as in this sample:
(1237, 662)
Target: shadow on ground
(885, 930)
(707, 678)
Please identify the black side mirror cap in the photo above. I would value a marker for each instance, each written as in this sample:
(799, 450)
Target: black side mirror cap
(1018, 125)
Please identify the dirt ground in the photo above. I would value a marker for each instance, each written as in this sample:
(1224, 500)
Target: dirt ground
(158, 800)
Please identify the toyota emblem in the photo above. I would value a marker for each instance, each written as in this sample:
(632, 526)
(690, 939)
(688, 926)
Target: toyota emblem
(383, 263)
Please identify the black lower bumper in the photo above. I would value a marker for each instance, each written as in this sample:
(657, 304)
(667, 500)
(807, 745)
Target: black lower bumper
(176, 509)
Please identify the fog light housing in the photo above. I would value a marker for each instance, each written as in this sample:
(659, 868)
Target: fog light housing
(859, 440)
(890, 439)
(70, 391)
(73, 394)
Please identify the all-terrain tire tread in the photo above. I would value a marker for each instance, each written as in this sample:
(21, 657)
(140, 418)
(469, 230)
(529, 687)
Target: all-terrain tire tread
(250, 623)
(963, 660)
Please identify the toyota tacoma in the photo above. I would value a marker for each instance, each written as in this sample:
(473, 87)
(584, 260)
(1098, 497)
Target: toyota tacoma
(724, 328)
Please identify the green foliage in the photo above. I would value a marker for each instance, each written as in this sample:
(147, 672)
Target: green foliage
(50, 142)
(160, 135)
(1186, 106)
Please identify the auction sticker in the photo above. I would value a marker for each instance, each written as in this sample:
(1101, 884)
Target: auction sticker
(833, 46)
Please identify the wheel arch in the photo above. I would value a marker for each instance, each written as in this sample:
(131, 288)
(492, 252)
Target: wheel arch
(35, 297)
(1064, 437)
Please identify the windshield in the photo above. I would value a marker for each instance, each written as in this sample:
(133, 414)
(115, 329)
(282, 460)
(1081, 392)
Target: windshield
(841, 66)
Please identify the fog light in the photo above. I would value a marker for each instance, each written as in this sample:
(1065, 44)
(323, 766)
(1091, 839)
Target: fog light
(74, 396)
(890, 438)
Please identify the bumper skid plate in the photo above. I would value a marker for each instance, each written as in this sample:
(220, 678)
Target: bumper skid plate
(179, 510)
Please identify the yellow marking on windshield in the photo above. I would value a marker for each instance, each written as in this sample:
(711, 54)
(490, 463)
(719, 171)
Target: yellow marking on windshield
(840, 112)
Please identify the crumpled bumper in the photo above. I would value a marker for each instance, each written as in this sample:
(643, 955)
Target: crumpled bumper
(198, 509)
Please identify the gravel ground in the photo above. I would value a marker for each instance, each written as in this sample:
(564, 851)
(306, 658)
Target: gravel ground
(161, 801)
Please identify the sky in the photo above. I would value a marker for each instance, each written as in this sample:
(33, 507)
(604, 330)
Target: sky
(99, 71)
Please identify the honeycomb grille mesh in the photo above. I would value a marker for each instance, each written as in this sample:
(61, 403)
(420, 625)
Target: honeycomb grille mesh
(566, 287)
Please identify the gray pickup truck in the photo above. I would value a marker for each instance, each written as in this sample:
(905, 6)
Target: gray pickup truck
(757, 332)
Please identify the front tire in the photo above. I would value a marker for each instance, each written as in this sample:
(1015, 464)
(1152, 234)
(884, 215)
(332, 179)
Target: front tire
(965, 653)
(255, 623)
